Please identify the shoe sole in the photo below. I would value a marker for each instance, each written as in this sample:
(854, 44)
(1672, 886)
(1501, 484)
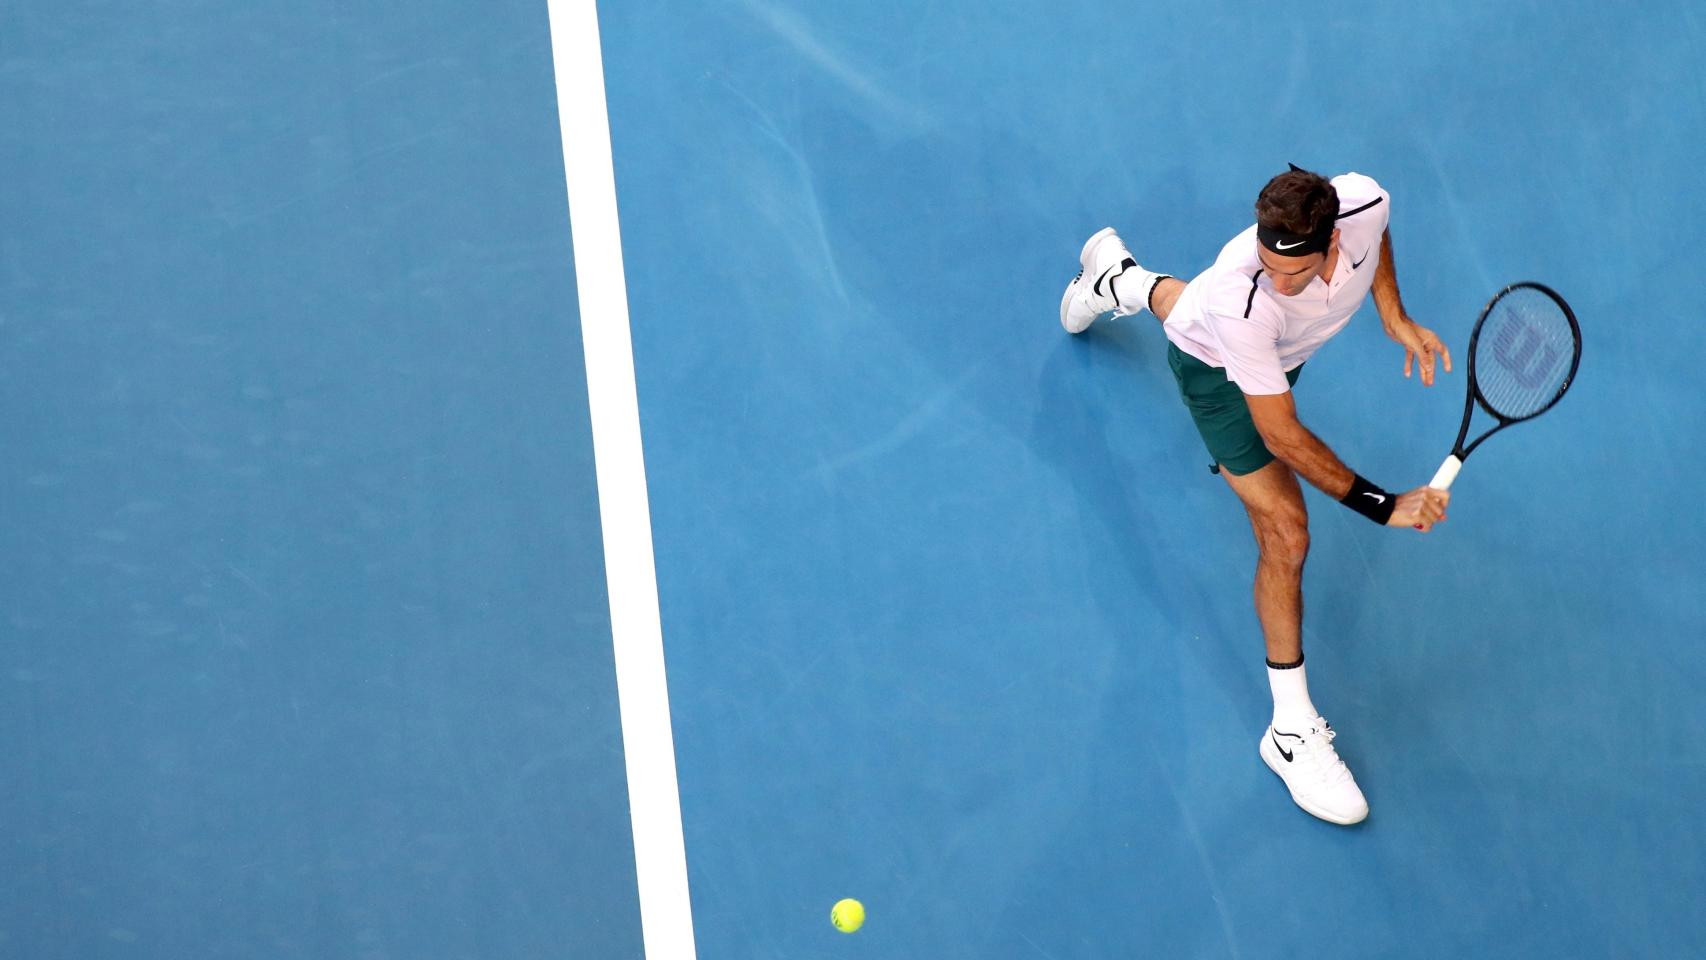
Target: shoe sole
(1267, 750)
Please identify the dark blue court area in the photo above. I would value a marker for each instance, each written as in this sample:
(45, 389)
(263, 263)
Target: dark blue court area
(305, 639)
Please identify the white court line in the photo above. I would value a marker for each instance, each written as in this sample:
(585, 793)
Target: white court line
(654, 800)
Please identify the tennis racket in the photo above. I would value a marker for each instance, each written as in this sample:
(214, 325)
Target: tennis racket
(1522, 357)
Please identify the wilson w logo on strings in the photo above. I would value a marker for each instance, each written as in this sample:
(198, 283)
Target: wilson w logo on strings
(1525, 353)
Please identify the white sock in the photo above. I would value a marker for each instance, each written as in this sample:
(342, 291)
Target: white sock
(1131, 290)
(1293, 710)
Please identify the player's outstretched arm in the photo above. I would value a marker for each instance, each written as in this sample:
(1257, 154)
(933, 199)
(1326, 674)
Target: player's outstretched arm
(1276, 420)
(1275, 416)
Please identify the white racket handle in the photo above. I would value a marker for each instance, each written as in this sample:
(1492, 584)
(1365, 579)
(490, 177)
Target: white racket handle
(1447, 473)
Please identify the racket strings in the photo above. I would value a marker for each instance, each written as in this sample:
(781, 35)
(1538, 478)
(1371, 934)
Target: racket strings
(1524, 354)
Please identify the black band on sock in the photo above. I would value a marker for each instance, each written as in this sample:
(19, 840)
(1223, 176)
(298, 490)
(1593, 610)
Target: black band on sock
(1286, 666)
(1149, 301)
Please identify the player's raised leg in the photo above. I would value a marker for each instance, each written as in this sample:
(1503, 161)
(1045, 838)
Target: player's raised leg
(1298, 744)
(1109, 280)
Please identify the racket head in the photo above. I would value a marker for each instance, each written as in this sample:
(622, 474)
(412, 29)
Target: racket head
(1524, 352)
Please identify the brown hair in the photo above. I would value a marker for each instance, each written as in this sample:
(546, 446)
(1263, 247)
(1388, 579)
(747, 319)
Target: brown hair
(1296, 201)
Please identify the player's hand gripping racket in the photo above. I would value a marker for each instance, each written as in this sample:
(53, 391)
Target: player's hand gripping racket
(1522, 357)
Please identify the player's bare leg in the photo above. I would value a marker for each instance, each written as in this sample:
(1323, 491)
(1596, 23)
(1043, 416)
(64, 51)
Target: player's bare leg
(1298, 744)
(1274, 500)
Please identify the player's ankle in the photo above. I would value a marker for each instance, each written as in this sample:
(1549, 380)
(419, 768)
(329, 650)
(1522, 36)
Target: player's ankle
(1289, 684)
(1132, 289)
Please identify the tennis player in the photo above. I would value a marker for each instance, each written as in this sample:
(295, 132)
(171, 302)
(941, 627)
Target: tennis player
(1239, 335)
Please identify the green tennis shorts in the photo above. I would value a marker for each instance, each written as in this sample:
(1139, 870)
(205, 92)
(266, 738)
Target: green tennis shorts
(1221, 415)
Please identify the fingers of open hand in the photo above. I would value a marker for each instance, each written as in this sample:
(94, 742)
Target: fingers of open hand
(1428, 348)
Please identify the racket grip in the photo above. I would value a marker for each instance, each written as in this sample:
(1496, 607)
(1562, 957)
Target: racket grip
(1447, 473)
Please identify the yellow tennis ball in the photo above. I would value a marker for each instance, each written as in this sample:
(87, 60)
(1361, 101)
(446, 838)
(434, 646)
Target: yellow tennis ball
(847, 915)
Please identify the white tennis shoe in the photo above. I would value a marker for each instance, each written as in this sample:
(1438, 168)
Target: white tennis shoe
(1319, 781)
(1091, 294)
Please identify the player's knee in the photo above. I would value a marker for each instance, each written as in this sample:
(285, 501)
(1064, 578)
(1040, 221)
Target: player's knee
(1284, 539)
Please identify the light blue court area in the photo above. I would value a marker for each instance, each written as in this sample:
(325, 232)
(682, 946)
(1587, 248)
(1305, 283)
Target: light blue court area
(959, 623)
(305, 640)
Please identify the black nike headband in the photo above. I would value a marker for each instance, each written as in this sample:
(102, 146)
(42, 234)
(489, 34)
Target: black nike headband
(1288, 244)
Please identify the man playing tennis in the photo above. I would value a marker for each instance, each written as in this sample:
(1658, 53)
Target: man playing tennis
(1239, 335)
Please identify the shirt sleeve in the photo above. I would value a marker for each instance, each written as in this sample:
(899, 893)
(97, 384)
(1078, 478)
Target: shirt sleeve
(1249, 347)
(1363, 205)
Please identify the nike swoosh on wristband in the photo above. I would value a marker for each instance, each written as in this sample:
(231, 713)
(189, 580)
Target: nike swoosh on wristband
(1377, 497)
(1288, 246)
(1283, 751)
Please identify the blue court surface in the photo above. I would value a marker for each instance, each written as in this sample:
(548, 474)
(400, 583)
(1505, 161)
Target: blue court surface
(306, 647)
